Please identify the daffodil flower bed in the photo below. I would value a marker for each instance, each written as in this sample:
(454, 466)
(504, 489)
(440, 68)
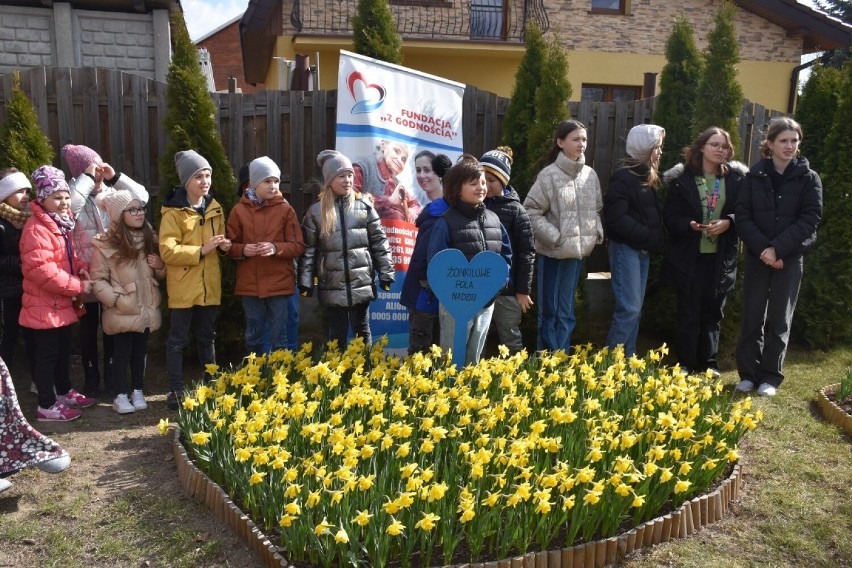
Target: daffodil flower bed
(358, 457)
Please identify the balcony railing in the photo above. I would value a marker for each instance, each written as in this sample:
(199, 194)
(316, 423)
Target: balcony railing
(486, 20)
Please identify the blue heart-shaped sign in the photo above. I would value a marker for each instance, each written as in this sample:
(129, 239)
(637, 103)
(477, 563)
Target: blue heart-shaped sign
(465, 287)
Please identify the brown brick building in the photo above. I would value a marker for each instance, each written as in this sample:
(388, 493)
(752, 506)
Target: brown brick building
(226, 55)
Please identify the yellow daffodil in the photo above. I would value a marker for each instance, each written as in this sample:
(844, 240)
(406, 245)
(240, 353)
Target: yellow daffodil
(163, 426)
(428, 522)
(681, 486)
(200, 438)
(362, 518)
(323, 528)
(395, 528)
(341, 537)
(257, 477)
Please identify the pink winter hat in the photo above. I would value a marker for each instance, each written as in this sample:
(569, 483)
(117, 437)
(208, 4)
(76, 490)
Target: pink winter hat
(79, 158)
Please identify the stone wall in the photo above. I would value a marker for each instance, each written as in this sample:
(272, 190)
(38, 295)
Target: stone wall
(63, 36)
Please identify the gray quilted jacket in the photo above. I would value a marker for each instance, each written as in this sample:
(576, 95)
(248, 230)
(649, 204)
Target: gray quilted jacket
(345, 262)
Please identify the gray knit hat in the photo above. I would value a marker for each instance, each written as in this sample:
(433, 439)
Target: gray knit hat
(333, 163)
(190, 162)
(262, 168)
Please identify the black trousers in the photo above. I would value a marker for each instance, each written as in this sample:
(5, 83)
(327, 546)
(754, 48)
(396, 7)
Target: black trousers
(341, 318)
(51, 351)
(131, 350)
(699, 317)
(88, 333)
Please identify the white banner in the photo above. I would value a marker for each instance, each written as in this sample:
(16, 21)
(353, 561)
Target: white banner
(388, 116)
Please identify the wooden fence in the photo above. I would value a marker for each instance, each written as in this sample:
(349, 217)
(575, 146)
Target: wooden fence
(120, 115)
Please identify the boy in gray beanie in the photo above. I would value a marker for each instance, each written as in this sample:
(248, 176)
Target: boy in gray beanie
(192, 230)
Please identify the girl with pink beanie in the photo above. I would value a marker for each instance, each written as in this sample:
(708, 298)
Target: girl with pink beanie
(91, 177)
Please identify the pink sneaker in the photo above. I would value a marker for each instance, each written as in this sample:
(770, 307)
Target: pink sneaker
(76, 400)
(57, 413)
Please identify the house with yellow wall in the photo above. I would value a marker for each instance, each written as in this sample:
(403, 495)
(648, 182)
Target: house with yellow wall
(616, 48)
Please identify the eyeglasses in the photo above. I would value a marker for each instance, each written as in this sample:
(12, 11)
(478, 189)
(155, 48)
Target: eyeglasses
(136, 210)
(716, 146)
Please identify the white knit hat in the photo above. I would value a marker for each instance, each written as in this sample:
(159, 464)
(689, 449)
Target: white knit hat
(114, 203)
(12, 183)
(642, 138)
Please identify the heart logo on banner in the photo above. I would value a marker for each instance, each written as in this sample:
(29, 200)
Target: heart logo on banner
(464, 288)
(368, 96)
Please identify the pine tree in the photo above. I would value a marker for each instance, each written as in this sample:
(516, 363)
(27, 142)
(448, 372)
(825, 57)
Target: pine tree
(374, 32)
(824, 309)
(190, 119)
(815, 111)
(720, 97)
(551, 108)
(522, 112)
(841, 9)
(22, 143)
(678, 90)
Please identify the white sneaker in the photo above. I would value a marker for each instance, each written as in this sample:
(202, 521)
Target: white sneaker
(55, 465)
(138, 400)
(766, 390)
(745, 385)
(4, 484)
(122, 405)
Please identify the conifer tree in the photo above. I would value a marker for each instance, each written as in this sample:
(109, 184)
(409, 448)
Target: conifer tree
(678, 90)
(841, 9)
(824, 309)
(190, 119)
(522, 112)
(815, 111)
(551, 108)
(22, 143)
(374, 32)
(720, 97)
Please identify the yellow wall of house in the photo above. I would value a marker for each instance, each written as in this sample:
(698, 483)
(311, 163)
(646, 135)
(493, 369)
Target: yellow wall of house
(492, 67)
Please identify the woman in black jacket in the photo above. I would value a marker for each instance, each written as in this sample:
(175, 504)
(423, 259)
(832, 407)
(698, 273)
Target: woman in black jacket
(778, 211)
(701, 257)
(635, 229)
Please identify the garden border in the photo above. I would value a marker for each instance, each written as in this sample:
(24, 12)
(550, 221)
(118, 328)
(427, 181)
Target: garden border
(832, 413)
(686, 520)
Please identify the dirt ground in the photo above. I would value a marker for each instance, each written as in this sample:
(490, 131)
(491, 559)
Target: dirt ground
(122, 476)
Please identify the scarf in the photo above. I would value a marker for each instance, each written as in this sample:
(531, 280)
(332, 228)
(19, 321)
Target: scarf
(15, 216)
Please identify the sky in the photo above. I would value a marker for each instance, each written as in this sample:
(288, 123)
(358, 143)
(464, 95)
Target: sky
(203, 16)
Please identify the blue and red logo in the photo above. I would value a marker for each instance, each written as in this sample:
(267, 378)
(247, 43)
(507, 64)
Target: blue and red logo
(368, 96)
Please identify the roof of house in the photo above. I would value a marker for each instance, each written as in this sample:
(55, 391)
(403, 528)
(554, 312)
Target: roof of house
(261, 23)
(137, 6)
(218, 29)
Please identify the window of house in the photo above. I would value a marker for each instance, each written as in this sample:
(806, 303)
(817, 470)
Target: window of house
(609, 93)
(609, 6)
(486, 19)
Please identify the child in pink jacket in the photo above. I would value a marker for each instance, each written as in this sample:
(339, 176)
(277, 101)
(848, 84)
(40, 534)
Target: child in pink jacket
(54, 281)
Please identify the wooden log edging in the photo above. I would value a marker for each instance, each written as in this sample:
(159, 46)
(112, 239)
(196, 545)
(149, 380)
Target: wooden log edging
(832, 413)
(685, 520)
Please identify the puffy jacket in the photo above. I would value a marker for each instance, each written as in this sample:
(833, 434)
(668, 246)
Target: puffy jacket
(50, 280)
(11, 277)
(275, 222)
(471, 230)
(90, 218)
(191, 279)
(786, 217)
(515, 220)
(346, 261)
(128, 291)
(415, 278)
(632, 211)
(682, 206)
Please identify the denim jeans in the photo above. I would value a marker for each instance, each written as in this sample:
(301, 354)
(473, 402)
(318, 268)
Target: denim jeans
(292, 326)
(131, 351)
(266, 316)
(341, 318)
(205, 334)
(629, 269)
(557, 289)
(477, 332)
